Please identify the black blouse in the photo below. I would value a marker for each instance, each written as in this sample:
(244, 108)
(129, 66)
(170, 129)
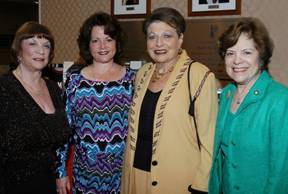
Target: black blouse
(143, 153)
(29, 138)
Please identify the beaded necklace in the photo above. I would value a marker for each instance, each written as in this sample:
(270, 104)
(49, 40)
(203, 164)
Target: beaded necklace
(159, 74)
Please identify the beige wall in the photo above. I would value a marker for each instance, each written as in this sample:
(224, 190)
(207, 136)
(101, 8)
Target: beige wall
(65, 17)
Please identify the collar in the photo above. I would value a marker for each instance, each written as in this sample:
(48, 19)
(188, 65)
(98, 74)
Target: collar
(256, 92)
(142, 82)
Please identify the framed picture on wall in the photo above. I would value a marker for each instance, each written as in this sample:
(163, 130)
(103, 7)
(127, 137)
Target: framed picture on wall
(130, 8)
(214, 7)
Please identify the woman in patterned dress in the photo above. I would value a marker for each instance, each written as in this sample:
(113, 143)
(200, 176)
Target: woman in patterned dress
(97, 105)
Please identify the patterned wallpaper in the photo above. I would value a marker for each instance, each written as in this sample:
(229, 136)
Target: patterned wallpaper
(274, 15)
(66, 16)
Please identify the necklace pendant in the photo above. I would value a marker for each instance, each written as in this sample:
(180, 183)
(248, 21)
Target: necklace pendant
(161, 72)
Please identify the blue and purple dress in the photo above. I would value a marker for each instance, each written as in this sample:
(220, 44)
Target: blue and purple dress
(98, 113)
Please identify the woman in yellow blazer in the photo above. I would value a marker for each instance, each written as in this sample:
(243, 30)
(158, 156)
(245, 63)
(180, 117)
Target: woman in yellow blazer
(163, 155)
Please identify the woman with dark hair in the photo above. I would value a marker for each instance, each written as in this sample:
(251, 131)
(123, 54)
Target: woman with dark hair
(32, 118)
(97, 105)
(169, 150)
(251, 145)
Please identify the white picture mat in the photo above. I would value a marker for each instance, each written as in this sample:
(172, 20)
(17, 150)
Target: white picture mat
(196, 7)
(120, 9)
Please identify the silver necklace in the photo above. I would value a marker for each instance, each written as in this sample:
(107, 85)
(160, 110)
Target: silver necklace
(240, 95)
(37, 92)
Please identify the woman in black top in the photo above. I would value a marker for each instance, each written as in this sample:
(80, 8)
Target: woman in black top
(32, 119)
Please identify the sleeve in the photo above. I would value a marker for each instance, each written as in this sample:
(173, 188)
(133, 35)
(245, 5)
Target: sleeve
(126, 170)
(215, 179)
(62, 154)
(3, 120)
(278, 169)
(125, 177)
(206, 107)
(62, 157)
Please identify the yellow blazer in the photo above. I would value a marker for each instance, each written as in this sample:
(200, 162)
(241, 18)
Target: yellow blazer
(176, 159)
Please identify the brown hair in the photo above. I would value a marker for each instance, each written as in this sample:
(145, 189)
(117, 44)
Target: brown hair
(255, 30)
(29, 30)
(167, 15)
(111, 28)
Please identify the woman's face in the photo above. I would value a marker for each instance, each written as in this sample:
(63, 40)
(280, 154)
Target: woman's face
(34, 53)
(163, 43)
(102, 46)
(242, 60)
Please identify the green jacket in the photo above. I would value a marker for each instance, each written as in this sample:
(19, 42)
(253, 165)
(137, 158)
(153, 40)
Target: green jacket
(257, 152)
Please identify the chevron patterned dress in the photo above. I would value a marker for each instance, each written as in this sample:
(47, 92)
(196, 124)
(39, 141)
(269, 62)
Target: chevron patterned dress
(98, 113)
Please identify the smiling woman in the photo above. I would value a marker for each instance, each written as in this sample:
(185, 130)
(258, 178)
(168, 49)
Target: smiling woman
(251, 147)
(97, 105)
(166, 151)
(32, 119)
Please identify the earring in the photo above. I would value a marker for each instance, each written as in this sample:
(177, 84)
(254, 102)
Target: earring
(19, 60)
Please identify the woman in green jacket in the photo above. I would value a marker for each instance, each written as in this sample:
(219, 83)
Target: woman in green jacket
(251, 141)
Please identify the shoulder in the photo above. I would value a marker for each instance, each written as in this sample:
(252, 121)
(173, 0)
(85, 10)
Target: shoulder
(73, 72)
(130, 73)
(270, 88)
(277, 91)
(73, 77)
(276, 86)
(52, 85)
(6, 77)
(227, 90)
(198, 67)
(143, 70)
(8, 92)
(72, 82)
(75, 68)
(276, 100)
(228, 87)
(198, 71)
(6, 81)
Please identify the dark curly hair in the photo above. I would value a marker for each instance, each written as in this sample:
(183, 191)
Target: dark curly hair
(111, 28)
(29, 30)
(168, 15)
(256, 31)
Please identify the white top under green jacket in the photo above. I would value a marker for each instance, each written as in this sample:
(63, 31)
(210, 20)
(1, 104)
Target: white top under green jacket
(179, 161)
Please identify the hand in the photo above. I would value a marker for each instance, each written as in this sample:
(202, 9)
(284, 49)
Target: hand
(63, 185)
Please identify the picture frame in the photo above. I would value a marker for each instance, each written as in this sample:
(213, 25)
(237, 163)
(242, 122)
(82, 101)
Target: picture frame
(214, 7)
(130, 8)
